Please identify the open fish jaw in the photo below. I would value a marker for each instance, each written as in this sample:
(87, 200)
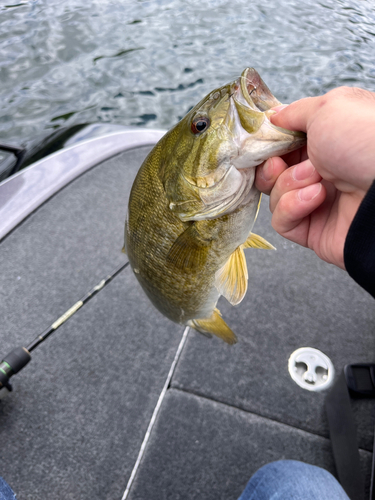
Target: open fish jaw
(268, 140)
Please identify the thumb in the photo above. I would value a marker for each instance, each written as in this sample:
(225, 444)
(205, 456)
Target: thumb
(296, 116)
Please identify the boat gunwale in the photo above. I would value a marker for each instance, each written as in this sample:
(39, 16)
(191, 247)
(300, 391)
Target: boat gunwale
(23, 193)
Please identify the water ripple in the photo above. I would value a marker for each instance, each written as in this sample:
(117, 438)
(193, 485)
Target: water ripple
(147, 63)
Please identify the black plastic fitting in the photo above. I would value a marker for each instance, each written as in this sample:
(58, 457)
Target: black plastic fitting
(13, 363)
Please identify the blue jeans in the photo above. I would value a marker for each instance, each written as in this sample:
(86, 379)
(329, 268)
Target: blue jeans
(292, 480)
(284, 480)
(5, 491)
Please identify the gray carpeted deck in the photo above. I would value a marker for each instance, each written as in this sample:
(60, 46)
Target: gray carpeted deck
(75, 422)
(203, 449)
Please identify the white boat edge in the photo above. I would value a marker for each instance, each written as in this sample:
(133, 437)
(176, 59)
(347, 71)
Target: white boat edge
(24, 192)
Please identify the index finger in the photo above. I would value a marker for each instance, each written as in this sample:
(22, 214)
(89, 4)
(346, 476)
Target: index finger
(296, 116)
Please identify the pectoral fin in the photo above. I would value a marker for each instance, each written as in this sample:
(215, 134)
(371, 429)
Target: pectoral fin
(255, 241)
(190, 250)
(215, 325)
(231, 279)
(123, 249)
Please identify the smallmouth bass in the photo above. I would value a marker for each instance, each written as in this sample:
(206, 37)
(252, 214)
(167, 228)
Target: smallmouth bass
(193, 204)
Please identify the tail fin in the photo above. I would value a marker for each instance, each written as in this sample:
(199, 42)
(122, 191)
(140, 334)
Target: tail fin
(216, 325)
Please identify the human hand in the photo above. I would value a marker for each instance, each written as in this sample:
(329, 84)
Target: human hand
(314, 202)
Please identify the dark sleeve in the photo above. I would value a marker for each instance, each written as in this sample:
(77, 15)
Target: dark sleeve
(359, 249)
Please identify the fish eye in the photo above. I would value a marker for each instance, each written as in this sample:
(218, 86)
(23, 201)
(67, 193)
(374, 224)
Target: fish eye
(198, 125)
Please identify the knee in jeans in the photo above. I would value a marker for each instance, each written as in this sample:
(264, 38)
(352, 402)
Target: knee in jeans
(288, 470)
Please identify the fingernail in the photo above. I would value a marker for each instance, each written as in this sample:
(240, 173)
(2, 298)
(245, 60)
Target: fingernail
(279, 108)
(310, 192)
(303, 171)
(267, 170)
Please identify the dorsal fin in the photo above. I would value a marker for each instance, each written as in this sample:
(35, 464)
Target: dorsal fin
(215, 325)
(255, 241)
(231, 279)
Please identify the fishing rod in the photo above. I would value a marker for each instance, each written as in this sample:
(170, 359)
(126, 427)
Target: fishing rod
(19, 357)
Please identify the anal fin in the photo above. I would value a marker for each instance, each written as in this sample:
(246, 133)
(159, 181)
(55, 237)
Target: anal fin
(255, 241)
(231, 279)
(215, 325)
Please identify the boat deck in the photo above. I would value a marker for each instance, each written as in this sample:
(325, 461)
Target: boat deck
(74, 425)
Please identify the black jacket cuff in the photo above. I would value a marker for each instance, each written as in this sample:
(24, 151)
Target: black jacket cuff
(359, 249)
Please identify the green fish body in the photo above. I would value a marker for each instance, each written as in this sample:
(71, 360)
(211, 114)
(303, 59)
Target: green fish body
(193, 204)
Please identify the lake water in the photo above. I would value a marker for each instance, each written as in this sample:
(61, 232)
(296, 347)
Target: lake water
(146, 63)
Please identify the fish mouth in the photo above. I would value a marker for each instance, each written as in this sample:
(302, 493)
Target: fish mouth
(256, 92)
(259, 98)
(254, 102)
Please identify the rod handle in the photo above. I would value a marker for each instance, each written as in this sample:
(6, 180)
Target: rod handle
(12, 363)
